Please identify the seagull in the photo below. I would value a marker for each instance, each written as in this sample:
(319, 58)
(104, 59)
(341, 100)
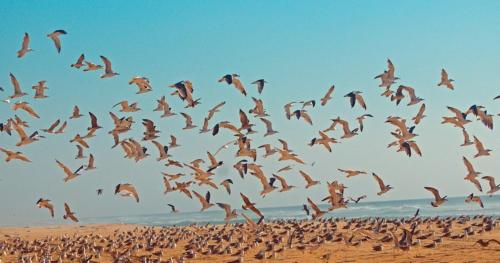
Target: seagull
(11, 155)
(358, 199)
(189, 121)
(475, 199)
(79, 154)
(79, 62)
(411, 92)
(127, 190)
(25, 106)
(214, 164)
(472, 174)
(309, 181)
(284, 185)
(17, 88)
(467, 140)
(348, 133)
(45, 203)
(260, 85)
(383, 188)
(493, 187)
(215, 109)
(204, 128)
(268, 149)
(163, 150)
(55, 37)
(69, 214)
(445, 81)
(76, 113)
(480, 148)
(324, 140)
(351, 173)
(227, 184)
(90, 165)
(269, 127)
(108, 71)
(356, 96)
(173, 142)
(360, 120)
(317, 213)
(172, 207)
(205, 201)
(142, 83)
(304, 115)
(438, 200)
(69, 174)
(230, 214)
(267, 186)
(387, 77)
(328, 95)
(249, 205)
(420, 115)
(40, 89)
(232, 79)
(25, 46)
(91, 66)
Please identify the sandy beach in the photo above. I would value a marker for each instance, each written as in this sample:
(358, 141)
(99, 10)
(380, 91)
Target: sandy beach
(451, 249)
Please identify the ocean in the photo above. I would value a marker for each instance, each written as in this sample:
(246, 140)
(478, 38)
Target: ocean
(388, 209)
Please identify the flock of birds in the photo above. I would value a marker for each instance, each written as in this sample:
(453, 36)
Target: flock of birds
(275, 240)
(247, 155)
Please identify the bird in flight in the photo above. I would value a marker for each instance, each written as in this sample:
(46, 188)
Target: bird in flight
(55, 37)
(127, 190)
(69, 214)
(232, 79)
(25, 46)
(45, 203)
(445, 81)
(108, 71)
(260, 85)
(438, 200)
(383, 188)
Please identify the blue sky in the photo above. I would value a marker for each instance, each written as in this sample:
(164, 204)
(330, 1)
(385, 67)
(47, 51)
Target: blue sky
(299, 47)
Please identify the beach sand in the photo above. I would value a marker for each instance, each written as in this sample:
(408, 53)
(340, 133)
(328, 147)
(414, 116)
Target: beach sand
(450, 250)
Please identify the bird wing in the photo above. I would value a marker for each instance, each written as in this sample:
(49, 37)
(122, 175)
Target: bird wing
(26, 41)
(15, 84)
(212, 159)
(226, 208)
(327, 96)
(379, 181)
(245, 199)
(54, 125)
(107, 64)
(468, 165)
(239, 86)
(434, 191)
(361, 101)
(313, 205)
(65, 168)
(57, 41)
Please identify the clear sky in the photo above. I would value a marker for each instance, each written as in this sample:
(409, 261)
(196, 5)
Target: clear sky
(299, 47)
